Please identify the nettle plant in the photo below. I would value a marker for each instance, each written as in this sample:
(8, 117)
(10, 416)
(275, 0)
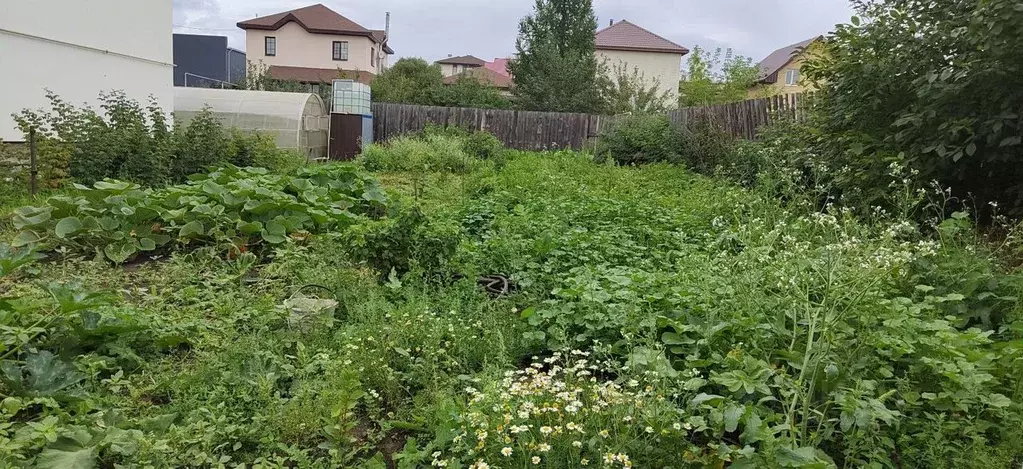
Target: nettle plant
(231, 207)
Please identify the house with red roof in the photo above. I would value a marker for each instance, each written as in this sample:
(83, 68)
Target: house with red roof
(624, 44)
(499, 65)
(315, 44)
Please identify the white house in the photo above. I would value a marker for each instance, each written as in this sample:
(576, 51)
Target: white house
(624, 44)
(80, 48)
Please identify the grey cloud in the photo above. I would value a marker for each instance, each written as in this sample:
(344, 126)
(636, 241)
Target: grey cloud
(432, 29)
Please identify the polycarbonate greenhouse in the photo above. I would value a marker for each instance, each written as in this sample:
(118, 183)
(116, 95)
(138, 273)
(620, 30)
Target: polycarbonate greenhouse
(296, 120)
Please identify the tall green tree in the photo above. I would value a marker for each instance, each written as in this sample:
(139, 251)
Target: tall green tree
(708, 80)
(556, 68)
(409, 81)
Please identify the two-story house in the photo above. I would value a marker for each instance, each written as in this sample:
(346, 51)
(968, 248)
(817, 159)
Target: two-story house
(455, 65)
(315, 45)
(625, 45)
(780, 71)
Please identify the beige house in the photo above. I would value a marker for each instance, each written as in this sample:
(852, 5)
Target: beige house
(314, 45)
(780, 72)
(625, 44)
(454, 65)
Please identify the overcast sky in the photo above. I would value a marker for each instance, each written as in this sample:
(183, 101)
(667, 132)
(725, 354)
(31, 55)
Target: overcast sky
(432, 29)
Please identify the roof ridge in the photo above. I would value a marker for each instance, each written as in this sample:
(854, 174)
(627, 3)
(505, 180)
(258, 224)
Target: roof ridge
(290, 15)
(626, 35)
(655, 34)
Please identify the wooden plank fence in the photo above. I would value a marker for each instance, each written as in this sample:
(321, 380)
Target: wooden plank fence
(530, 130)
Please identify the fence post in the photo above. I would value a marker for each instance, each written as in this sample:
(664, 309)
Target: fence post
(33, 172)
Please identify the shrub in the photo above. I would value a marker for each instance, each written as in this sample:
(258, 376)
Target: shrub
(704, 148)
(651, 138)
(404, 242)
(260, 150)
(429, 153)
(639, 139)
(477, 143)
(939, 83)
(135, 143)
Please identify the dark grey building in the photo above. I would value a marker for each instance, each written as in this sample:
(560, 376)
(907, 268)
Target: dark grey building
(206, 61)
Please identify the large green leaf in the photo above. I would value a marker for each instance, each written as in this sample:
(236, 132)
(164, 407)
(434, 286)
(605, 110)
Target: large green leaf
(732, 415)
(67, 226)
(114, 186)
(375, 194)
(147, 244)
(249, 228)
(42, 375)
(31, 216)
(120, 251)
(192, 228)
(67, 453)
(71, 297)
(11, 259)
(26, 238)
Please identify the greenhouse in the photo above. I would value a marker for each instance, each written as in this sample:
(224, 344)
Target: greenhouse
(297, 121)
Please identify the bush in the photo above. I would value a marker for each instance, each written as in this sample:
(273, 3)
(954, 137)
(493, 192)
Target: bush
(405, 242)
(428, 153)
(260, 150)
(478, 143)
(651, 138)
(639, 139)
(705, 148)
(135, 143)
(939, 83)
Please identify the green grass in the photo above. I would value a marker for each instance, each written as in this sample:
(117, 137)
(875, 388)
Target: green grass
(720, 325)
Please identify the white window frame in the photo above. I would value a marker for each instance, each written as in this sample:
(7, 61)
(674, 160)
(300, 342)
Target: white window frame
(791, 77)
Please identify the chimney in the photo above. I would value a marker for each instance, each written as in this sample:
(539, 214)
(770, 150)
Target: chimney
(612, 23)
(387, 26)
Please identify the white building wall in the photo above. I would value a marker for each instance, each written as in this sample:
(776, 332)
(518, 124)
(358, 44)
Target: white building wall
(297, 47)
(78, 49)
(666, 68)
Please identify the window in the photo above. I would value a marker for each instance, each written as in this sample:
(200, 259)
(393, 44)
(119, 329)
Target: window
(340, 50)
(791, 77)
(372, 57)
(270, 45)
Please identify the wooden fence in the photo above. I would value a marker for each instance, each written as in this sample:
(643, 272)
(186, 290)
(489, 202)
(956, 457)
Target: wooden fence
(530, 130)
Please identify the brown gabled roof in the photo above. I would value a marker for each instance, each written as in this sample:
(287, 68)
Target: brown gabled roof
(781, 57)
(626, 36)
(316, 19)
(484, 75)
(317, 75)
(463, 60)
